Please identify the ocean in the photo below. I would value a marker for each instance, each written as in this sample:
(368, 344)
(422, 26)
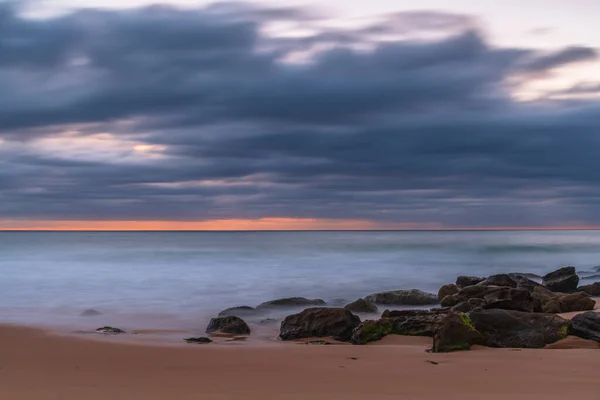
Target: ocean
(178, 280)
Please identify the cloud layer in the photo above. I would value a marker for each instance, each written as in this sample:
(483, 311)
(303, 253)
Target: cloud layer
(165, 114)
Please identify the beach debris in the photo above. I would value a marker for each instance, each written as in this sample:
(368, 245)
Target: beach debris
(319, 322)
(432, 362)
(353, 358)
(412, 297)
(90, 313)
(564, 280)
(228, 325)
(290, 302)
(319, 342)
(198, 340)
(110, 330)
(362, 306)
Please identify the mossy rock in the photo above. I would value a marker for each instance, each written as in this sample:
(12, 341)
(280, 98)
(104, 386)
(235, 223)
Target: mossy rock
(457, 332)
(371, 331)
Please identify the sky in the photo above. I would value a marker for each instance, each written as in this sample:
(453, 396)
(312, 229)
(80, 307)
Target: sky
(470, 114)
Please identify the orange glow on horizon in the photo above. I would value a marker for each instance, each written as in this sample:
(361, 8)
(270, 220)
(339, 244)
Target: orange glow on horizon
(263, 224)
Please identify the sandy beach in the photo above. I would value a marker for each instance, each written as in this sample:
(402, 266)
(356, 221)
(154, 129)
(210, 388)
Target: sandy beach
(38, 365)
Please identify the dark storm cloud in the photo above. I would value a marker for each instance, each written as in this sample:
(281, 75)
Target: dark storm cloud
(335, 124)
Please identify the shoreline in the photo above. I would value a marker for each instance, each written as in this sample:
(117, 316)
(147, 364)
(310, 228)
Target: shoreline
(40, 365)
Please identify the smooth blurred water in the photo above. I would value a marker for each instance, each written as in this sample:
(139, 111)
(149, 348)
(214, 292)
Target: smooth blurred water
(180, 279)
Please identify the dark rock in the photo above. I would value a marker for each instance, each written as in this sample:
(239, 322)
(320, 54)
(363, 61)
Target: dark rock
(362, 306)
(592, 290)
(242, 311)
(230, 325)
(527, 275)
(563, 280)
(499, 280)
(415, 322)
(447, 290)
(455, 333)
(509, 298)
(508, 328)
(371, 331)
(586, 326)
(110, 330)
(290, 302)
(524, 282)
(319, 322)
(464, 281)
(90, 313)
(470, 305)
(198, 340)
(467, 293)
(578, 301)
(411, 297)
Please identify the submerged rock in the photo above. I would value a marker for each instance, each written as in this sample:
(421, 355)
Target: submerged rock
(564, 280)
(447, 290)
(412, 297)
(242, 311)
(319, 322)
(499, 280)
(464, 281)
(456, 332)
(290, 302)
(362, 306)
(230, 325)
(110, 330)
(592, 289)
(507, 328)
(198, 340)
(586, 326)
(90, 313)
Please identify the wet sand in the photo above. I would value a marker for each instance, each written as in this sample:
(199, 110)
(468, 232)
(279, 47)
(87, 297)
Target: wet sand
(39, 365)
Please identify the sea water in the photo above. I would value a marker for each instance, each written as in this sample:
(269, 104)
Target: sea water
(180, 279)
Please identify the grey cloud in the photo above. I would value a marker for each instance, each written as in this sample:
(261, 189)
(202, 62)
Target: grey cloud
(404, 130)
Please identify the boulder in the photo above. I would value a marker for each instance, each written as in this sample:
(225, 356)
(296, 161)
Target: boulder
(362, 306)
(415, 322)
(290, 302)
(371, 331)
(467, 293)
(110, 330)
(498, 280)
(447, 290)
(563, 280)
(231, 325)
(470, 305)
(508, 328)
(456, 332)
(578, 301)
(90, 313)
(319, 322)
(586, 326)
(592, 290)
(411, 297)
(509, 298)
(464, 281)
(242, 311)
(523, 282)
(198, 340)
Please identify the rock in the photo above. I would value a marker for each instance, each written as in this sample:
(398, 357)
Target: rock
(455, 333)
(523, 282)
(467, 293)
(586, 326)
(578, 301)
(592, 290)
(415, 322)
(371, 331)
(362, 306)
(464, 281)
(230, 325)
(90, 313)
(319, 322)
(563, 280)
(411, 297)
(499, 280)
(198, 340)
(110, 330)
(447, 290)
(242, 311)
(290, 302)
(508, 328)
(509, 298)
(466, 306)
(527, 275)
